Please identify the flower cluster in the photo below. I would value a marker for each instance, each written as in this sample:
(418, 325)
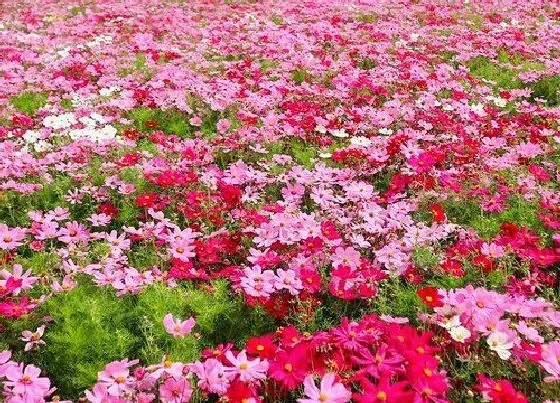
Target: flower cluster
(325, 200)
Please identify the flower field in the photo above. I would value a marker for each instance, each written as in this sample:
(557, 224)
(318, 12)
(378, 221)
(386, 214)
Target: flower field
(245, 201)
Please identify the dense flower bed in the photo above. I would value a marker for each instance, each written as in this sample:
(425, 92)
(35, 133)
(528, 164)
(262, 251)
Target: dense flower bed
(261, 201)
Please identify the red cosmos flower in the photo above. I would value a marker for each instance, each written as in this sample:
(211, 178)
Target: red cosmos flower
(383, 392)
(312, 245)
(484, 263)
(539, 173)
(131, 133)
(438, 213)
(311, 280)
(218, 353)
(501, 391)
(240, 392)
(423, 162)
(16, 309)
(453, 267)
(542, 257)
(230, 194)
(146, 200)
(328, 229)
(430, 297)
(289, 336)
(11, 284)
(278, 307)
(430, 389)
(528, 351)
(158, 137)
(412, 275)
(22, 121)
(290, 367)
(109, 209)
(262, 346)
(509, 229)
(180, 269)
(129, 159)
(425, 181)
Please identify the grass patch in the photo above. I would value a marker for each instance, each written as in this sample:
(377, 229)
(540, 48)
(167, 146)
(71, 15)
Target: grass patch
(29, 102)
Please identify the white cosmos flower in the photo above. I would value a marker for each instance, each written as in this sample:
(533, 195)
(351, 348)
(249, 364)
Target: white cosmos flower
(501, 344)
(320, 129)
(460, 333)
(340, 133)
(360, 141)
(450, 322)
(63, 121)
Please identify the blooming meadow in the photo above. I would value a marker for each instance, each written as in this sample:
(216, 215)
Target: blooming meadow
(253, 201)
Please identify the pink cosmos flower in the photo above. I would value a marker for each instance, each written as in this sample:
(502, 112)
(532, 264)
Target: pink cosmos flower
(116, 377)
(195, 121)
(73, 232)
(67, 284)
(118, 241)
(100, 394)
(33, 339)
(287, 280)
(346, 257)
(24, 280)
(248, 370)
(24, 381)
(223, 126)
(182, 249)
(212, 376)
(328, 392)
(258, 283)
(47, 230)
(11, 238)
(175, 391)
(167, 368)
(5, 362)
(177, 327)
(550, 360)
(99, 220)
(58, 214)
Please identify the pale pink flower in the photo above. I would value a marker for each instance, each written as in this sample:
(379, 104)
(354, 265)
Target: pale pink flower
(329, 391)
(212, 375)
(550, 360)
(287, 280)
(33, 339)
(248, 370)
(5, 362)
(178, 327)
(167, 368)
(346, 257)
(116, 377)
(99, 220)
